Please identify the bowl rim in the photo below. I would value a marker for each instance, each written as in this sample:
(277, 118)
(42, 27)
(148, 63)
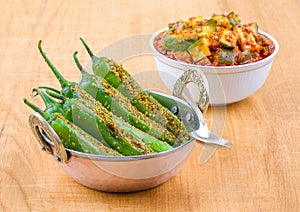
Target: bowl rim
(218, 69)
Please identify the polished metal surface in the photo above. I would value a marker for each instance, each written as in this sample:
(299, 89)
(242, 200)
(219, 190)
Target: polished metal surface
(113, 173)
(200, 131)
(126, 173)
(38, 124)
(211, 139)
(189, 113)
(197, 77)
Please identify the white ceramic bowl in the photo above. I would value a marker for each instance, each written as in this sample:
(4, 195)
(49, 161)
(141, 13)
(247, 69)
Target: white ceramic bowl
(227, 84)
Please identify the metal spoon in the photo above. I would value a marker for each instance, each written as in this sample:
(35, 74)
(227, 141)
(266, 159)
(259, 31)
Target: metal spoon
(202, 132)
(192, 117)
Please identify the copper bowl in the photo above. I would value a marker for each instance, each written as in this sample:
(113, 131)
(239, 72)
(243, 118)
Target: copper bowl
(118, 173)
(111, 173)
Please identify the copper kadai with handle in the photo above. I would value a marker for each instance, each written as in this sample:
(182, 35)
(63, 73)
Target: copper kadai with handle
(134, 173)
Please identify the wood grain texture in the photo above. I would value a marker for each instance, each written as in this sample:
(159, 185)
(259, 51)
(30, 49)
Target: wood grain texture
(262, 170)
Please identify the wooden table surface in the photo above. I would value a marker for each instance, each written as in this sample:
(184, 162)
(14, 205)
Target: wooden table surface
(260, 172)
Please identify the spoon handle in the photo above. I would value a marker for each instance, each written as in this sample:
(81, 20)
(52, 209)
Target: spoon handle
(211, 139)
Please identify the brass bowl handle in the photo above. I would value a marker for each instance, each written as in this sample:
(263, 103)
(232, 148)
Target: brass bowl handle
(38, 123)
(195, 76)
